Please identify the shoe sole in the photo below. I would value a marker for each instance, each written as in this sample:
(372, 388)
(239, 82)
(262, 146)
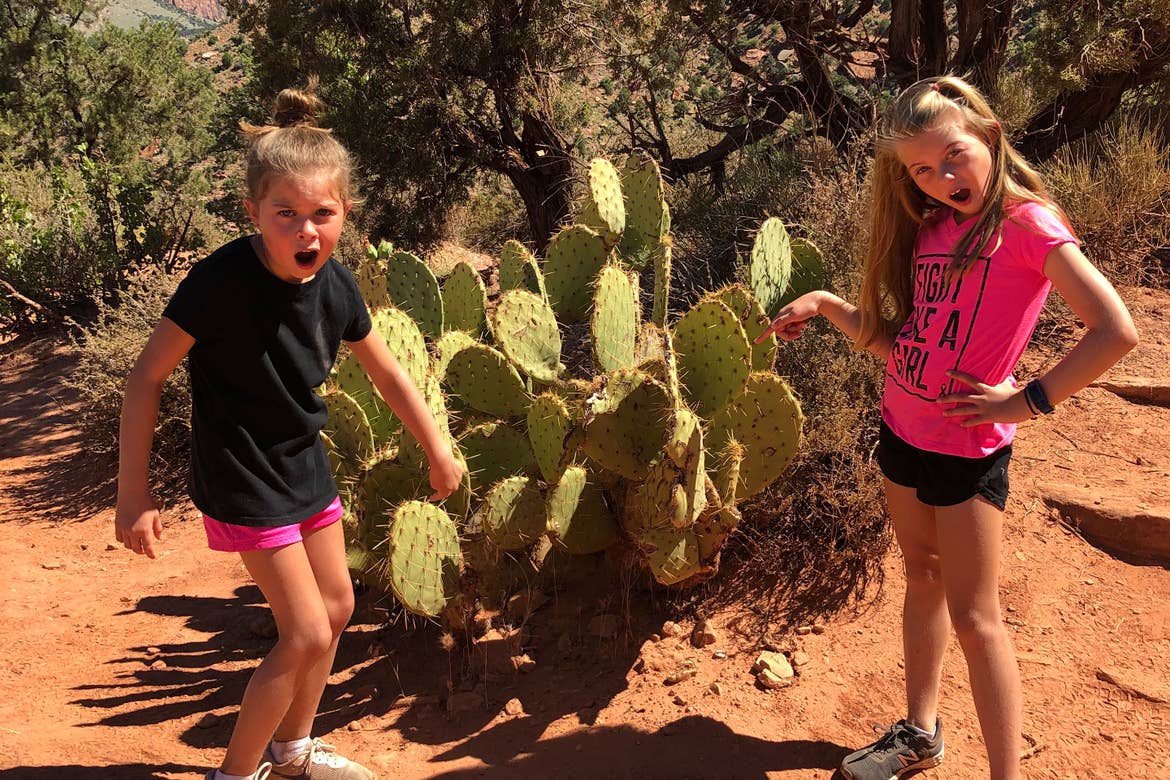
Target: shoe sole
(920, 766)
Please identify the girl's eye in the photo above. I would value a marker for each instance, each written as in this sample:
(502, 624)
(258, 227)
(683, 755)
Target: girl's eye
(285, 213)
(921, 170)
(956, 152)
(324, 212)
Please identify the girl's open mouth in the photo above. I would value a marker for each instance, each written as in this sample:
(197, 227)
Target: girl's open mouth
(961, 195)
(306, 258)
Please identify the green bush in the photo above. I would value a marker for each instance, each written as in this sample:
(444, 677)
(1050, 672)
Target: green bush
(107, 350)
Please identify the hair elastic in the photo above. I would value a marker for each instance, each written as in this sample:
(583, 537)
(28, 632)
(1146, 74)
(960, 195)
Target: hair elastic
(934, 85)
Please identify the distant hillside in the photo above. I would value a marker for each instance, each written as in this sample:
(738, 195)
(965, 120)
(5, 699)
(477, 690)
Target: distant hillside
(194, 17)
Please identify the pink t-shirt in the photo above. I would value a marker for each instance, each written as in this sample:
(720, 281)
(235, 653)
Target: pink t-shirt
(978, 323)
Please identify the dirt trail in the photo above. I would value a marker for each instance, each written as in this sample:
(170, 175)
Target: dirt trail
(111, 663)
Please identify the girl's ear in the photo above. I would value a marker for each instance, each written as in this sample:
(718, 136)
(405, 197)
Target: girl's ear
(253, 212)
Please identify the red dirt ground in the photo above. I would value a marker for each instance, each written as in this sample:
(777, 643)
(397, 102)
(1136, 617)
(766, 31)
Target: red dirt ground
(110, 662)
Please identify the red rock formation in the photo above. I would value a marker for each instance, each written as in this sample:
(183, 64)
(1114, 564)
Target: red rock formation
(204, 9)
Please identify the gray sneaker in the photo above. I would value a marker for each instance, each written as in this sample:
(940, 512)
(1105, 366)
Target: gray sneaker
(900, 751)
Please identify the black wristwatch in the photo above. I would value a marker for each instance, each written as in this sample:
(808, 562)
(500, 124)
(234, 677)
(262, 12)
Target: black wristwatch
(1037, 399)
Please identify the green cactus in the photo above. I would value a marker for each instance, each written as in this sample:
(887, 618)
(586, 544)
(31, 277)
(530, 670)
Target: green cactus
(526, 330)
(348, 428)
(673, 555)
(661, 259)
(627, 423)
(647, 215)
(515, 513)
(578, 516)
(351, 379)
(404, 340)
(714, 357)
(464, 301)
(519, 271)
(424, 561)
(751, 316)
(652, 502)
(485, 380)
(548, 425)
(771, 265)
(604, 208)
(766, 420)
(576, 256)
(446, 348)
(414, 289)
(383, 487)
(614, 323)
(808, 270)
(494, 451)
(371, 278)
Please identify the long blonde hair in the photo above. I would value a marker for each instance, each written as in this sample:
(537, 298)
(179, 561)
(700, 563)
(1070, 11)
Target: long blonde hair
(293, 145)
(900, 208)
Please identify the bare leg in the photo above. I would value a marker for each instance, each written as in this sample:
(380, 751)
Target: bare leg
(326, 551)
(926, 627)
(285, 577)
(969, 542)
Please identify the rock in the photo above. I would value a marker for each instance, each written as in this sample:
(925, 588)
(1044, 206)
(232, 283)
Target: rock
(800, 658)
(52, 565)
(679, 700)
(111, 547)
(715, 688)
(704, 634)
(158, 665)
(1111, 524)
(775, 663)
(804, 630)
(1146, 390)
(771, 681)
(354, 725)
(605, 626)
(782, 645)
(523, 663)
(153, 651)
(495, 649)
(819, 628)
(680, 674)
(670, 628)
(1136, 683)
(514, 707)
(209, 720)
(465, 701)
(719, 655)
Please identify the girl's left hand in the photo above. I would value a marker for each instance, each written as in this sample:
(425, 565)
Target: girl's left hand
(446, 475)
(1002, 403)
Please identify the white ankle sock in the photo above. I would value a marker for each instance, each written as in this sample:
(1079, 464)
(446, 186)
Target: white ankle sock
(283, 752)
(221, 775)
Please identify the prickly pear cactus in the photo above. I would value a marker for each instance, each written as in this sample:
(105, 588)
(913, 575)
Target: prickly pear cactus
(649, 441)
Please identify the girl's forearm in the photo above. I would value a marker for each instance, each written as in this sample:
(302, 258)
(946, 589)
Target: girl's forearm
(847, 319)
(408, 404)
(1095, 354)
(136, 434)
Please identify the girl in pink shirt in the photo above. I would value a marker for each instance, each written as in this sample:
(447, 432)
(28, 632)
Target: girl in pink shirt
(965, 243)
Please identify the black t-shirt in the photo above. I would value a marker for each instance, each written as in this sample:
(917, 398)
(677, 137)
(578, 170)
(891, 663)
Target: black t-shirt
(261, 346)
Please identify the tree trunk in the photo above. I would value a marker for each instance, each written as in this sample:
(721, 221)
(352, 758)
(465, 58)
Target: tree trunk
(918, 40)
(983, 36)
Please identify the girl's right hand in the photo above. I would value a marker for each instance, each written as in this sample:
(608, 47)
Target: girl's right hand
(138, 525)
(446, 475)
(791, 320)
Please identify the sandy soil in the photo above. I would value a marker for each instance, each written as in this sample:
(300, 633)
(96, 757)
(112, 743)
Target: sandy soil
(114, 666)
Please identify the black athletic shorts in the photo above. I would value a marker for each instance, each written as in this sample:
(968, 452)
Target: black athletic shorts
(943, 480)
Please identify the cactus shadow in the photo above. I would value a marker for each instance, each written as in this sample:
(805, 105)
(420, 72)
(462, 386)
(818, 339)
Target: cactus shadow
(693, 747)
(119, 772)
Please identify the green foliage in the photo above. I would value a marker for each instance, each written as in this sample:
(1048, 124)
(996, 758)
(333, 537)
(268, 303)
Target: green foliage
(103, 138)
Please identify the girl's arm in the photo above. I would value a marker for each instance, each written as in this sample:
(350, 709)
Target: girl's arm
(407, 403)
(1110, 333)
(791, 319)
(137, 524)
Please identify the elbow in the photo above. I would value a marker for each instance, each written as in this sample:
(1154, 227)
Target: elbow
(1127, 336)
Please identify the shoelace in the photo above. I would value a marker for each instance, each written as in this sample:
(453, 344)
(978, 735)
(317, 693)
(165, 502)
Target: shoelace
(263, 771)
(325, 749)
(889, 735)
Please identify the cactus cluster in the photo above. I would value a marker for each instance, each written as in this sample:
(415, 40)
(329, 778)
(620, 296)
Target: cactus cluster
(681, 421)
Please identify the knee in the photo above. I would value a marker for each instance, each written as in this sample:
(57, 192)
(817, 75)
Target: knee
(975, 625)
(340, 609)
(923, 569)
(308, 640)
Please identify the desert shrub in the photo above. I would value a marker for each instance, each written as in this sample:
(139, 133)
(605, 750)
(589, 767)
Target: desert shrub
(492, 214)
(1115, 187)
(107, 350)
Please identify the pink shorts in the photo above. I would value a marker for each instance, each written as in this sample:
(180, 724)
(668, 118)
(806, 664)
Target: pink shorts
(228, 537)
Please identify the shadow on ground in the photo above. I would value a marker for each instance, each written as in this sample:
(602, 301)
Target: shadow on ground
(122, 772)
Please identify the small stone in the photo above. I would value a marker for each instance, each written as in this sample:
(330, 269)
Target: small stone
(716, 688)
(209, 720)
(800, 658)
(771, 681)
(523, 663)
(680, 701)
(354, 726)
(655, 638)
(680, 674)
(775, 663)
(153, 651)
(670, 628)
(704, 634)
(819, 628)
(514, 707)
(111, 547)
(52, 565)
(605, 626)
(719, 655)
(158, 665)
(804, 630)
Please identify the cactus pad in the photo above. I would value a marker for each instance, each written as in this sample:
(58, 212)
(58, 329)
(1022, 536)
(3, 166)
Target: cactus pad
(771, 265)
(384, 486)
(515, 514)
(673, 555)
(766, 420)
(647, 215)
(352, 380)
(661, 258)
(614, 322)
(604, 208)
(627, 423)
(371, 279)
(808, 270)
(578, 514)
(519, 271)
(348, 428)
(404, 340)
(548, 424)
(751, 316)
(495, 451)
(713, 356)
(576, 256)
(464, 301)
(526, 330)
(424, 560)
(414, 289)
(446, 347)
(485, 380)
